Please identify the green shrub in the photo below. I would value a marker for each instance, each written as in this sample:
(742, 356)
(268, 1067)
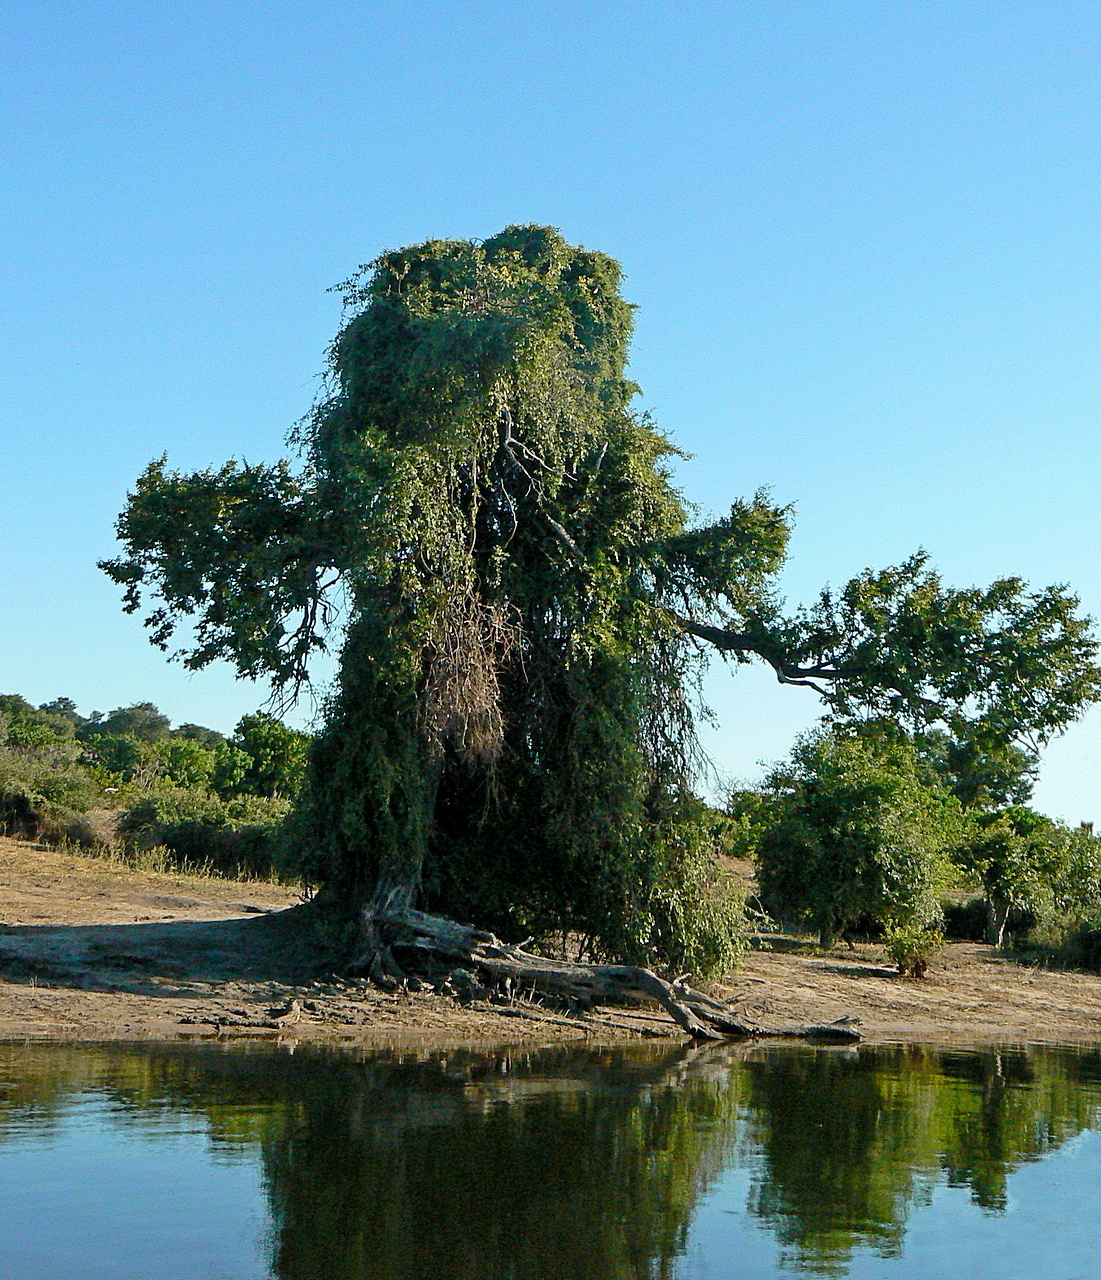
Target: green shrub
(1077, 886)
(238, 837)
(853, 833)
(18, 814)
(42, 790)
(230, 766)
(126, 759)
(187, 762)
(55, 766)
(747, 818)
(912, 945)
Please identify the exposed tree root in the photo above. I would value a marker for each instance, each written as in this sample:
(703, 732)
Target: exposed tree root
(427, 937)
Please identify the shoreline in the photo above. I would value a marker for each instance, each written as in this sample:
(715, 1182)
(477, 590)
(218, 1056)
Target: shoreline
(95, 952)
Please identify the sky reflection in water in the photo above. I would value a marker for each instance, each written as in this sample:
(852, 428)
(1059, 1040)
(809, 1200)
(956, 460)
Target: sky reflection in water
(559, 1164)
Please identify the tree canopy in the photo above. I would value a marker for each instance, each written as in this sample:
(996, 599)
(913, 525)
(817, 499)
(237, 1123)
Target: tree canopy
(528, 605)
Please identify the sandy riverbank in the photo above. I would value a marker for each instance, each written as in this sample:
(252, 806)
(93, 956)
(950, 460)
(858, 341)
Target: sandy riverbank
(90, 950)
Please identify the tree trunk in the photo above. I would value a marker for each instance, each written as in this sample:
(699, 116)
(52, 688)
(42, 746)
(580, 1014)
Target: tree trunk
(997, 919)
(398, 880)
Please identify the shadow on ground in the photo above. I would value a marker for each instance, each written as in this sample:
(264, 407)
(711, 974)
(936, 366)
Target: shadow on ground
(281, 946)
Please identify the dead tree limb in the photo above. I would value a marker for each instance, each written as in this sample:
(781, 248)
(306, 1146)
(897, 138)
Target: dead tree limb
(703, 1018)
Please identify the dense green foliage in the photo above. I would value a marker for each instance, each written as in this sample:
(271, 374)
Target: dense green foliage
(511, 736)
(981, 773)
(510, 714)
(239, 836)
(863, 828)
(42, 776)
(510, 705)
(853, 833)
(209, 801)
(1016, 855)
(272, 757)
(1039, 878)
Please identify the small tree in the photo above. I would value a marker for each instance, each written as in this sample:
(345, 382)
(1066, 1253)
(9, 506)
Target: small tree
(1018, 855)
(230, 766)
(276, 756)
(186, 762)
(855, 834)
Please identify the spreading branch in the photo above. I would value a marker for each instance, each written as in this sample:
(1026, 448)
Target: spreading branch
(740, 642)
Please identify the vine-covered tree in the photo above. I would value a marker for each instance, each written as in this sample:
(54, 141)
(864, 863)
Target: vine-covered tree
(511, 735)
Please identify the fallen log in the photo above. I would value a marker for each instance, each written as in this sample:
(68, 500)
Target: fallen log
(404, 930)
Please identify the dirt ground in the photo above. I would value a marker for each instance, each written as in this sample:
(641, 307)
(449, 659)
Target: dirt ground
(91, 950)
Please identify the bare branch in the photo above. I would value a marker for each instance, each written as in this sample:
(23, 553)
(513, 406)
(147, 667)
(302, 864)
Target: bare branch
(564, 538)
(741, 642)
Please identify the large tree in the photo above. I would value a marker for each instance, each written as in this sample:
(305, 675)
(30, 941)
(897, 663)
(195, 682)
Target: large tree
(528, 606)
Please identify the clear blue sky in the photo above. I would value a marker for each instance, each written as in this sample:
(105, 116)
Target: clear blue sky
(863, 240)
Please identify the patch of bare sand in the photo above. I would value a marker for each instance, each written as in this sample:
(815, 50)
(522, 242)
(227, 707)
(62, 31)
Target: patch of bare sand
(972, 995)
(43, 886)
(90, 950)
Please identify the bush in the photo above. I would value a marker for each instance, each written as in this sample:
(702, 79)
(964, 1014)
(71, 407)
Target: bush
(911, 946)
(852, 833)
(18, 814)
(55, 766)
(41, 791)
(239, 837)
(747, 816)
(1077, 886)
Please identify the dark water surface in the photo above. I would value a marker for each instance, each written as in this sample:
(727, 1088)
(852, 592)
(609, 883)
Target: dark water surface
(557, 1164)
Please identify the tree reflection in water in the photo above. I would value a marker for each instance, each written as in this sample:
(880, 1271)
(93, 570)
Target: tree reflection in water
(851, 1141)
(551, 1165)
(584, 1164)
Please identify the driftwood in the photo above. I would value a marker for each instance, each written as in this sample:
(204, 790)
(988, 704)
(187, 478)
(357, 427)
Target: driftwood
(404, 930)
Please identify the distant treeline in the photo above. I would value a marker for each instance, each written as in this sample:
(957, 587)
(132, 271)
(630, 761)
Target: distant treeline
(131, 782)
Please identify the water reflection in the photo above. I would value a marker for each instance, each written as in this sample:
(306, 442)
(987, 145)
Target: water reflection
(851, 1142)
(551, 1166)
(592, 1165)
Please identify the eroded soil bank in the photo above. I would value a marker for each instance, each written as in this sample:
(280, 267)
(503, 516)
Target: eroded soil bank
(93, 951)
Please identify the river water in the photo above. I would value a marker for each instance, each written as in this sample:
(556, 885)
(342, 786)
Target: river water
(556, 1164)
